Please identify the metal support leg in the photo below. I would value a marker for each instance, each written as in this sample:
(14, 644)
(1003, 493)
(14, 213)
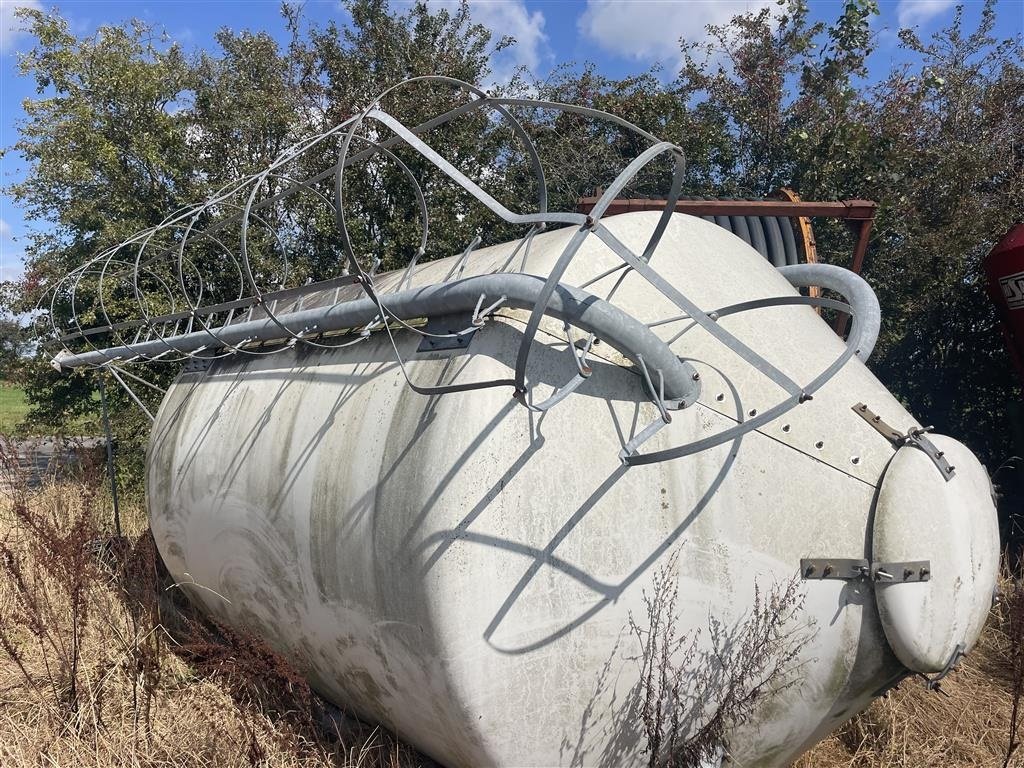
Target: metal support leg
(110, 457)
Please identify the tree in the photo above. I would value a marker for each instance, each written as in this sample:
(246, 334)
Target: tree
(15, 337)
(937, 144)
(127, 128)
(108, 155)
(773, 101)
(950, 142)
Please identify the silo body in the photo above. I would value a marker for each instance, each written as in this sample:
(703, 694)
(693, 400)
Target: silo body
(464, 571)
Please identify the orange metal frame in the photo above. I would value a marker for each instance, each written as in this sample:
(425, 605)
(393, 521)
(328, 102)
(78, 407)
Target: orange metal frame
(858, 214)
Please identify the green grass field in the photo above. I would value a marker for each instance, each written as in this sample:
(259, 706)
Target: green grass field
(13, 407)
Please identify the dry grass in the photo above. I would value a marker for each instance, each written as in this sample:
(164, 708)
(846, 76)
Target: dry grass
(101, 664)
(968, 725)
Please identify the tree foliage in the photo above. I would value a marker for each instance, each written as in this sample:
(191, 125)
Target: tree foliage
(127, 127)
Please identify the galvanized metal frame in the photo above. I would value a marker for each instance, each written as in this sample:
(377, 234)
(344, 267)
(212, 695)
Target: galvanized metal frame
(191, 328)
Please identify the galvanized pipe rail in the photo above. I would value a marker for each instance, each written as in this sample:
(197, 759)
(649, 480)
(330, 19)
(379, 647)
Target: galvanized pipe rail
(579, 308)
(196, 320)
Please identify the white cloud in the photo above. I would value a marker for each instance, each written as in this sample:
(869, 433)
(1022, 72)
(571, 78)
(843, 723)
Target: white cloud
(11, 27)
(649, 30)
(512, 18)
(910, 13)
(5, 231)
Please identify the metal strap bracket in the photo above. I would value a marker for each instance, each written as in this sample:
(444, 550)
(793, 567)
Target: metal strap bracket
(916, 437)
(449, 332)
(919, 438)
(935, 683)
(848, 569)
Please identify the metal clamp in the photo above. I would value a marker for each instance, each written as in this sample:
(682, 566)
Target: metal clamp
(196, 364)
(916, 436)
(848, 569)
(935, 683)
(448, 332)
(919, 438)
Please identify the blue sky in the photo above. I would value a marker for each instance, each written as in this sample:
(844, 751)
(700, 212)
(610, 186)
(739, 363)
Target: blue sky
(620, 36)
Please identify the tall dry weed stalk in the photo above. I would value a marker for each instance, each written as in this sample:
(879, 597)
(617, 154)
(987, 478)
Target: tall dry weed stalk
(50, 574)
(692, 695)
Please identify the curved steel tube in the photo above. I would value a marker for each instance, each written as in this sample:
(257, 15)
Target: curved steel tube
(864, 332)
(583, 310)
(854, 289)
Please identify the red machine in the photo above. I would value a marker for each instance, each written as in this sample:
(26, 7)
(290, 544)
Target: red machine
(1004, 268)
